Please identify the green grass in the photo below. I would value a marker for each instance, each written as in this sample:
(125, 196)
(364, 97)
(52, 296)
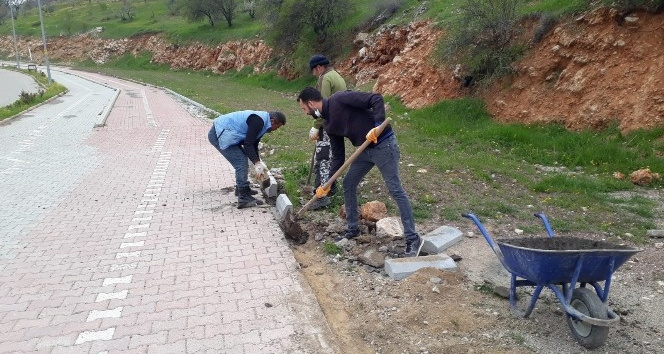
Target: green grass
(49, 90)
(70, 18)
(555, 7)
(331, 248)
(472, 163)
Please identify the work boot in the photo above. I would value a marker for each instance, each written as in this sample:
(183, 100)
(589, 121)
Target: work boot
(245, 200)
(348, 235)
(413, 248)
(320, 203)
(253, 192)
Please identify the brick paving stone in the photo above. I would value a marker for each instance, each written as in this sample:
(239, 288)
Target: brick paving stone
(137, 214)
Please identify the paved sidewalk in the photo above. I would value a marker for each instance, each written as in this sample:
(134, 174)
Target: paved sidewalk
(124, 239)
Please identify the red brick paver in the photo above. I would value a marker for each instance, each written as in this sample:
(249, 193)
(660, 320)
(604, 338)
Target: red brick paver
(145, 253)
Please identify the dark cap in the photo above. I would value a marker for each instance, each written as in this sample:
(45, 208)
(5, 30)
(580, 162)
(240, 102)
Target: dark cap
(316, 60)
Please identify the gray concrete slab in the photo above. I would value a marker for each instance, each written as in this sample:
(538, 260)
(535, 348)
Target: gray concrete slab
(400, 268)
(441, 239)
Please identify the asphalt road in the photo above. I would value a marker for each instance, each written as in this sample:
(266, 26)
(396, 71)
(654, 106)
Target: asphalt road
(11, 85)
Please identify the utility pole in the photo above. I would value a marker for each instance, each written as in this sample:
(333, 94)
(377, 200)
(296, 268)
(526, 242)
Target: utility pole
(41, 20)
(11, 13)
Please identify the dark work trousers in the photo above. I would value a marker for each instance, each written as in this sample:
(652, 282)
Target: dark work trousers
(322, 162)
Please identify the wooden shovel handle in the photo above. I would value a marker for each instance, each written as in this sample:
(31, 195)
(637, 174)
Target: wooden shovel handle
(342, 169)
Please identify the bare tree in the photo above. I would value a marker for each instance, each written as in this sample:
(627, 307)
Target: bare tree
(250, 6)
(15, 5)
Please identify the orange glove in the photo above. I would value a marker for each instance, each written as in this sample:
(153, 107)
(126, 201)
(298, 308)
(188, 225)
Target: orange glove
(371, 136)
(321, 192)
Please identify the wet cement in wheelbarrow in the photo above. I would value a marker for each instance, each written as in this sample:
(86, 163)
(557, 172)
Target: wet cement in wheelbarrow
(562, 244)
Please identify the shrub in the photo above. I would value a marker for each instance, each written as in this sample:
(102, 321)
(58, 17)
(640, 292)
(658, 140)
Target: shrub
(482, 38)
(544, 25)
(27, 97)
(656, 6)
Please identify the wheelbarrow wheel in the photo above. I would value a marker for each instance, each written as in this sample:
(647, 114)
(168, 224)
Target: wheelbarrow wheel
(588, 303)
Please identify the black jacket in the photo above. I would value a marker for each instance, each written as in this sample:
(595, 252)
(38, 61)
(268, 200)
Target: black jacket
(351, 114)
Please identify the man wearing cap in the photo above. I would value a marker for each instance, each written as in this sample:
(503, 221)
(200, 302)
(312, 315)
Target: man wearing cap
(329, 82)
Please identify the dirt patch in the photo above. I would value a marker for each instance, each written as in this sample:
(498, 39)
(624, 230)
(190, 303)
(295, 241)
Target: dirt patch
(588, 74)
(435, 311)
(430, 312)
(568, 243)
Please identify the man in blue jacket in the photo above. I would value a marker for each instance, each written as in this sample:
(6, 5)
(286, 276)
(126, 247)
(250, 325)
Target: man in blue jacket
(355, 115)
(236, 136)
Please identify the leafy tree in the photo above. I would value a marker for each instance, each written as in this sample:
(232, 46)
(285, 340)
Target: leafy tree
(196, 10)
(286, 23)
(656, 6)
(172, 7)
(296, 16)
(482, 37)
(227, 9)
(323, 14)
(127, 12)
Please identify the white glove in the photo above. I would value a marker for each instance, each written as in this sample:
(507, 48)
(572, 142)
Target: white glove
(313, 134)
(260, 171)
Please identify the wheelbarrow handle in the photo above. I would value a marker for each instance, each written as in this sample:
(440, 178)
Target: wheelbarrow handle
(487, 237)
(545, 221)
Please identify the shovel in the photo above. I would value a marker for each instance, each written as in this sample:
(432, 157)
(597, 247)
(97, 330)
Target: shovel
(290, 225)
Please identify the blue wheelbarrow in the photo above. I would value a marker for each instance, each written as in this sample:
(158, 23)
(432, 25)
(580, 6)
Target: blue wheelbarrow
(559, 263)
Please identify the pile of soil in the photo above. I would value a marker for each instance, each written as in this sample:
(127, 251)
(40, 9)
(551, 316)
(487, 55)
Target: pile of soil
(568, 243)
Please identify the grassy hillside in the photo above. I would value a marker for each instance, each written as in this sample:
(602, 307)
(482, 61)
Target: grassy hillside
(67, 18)
(471, 163)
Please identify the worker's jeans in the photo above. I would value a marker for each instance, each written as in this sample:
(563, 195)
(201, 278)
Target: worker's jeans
(385, 156)
(235, 155)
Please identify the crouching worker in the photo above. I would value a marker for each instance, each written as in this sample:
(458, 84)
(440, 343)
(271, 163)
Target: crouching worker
(236, 136)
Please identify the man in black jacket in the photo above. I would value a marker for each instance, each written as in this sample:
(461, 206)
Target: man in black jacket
(354, 115)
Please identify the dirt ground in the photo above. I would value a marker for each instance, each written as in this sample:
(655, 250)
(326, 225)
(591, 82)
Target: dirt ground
(434, 311)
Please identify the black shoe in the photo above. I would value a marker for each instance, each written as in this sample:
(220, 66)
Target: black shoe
(245, 200)
(252, 192)
(413, 248)
(349, 235)
(320, 203)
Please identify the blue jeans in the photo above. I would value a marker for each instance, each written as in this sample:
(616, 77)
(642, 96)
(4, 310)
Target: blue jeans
(235, 155)
(385, 156)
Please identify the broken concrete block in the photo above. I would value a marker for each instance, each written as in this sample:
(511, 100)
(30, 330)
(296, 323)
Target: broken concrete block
(284, 206)
(270, 189)
(389, 228)
(400, 268)
(441, 239)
